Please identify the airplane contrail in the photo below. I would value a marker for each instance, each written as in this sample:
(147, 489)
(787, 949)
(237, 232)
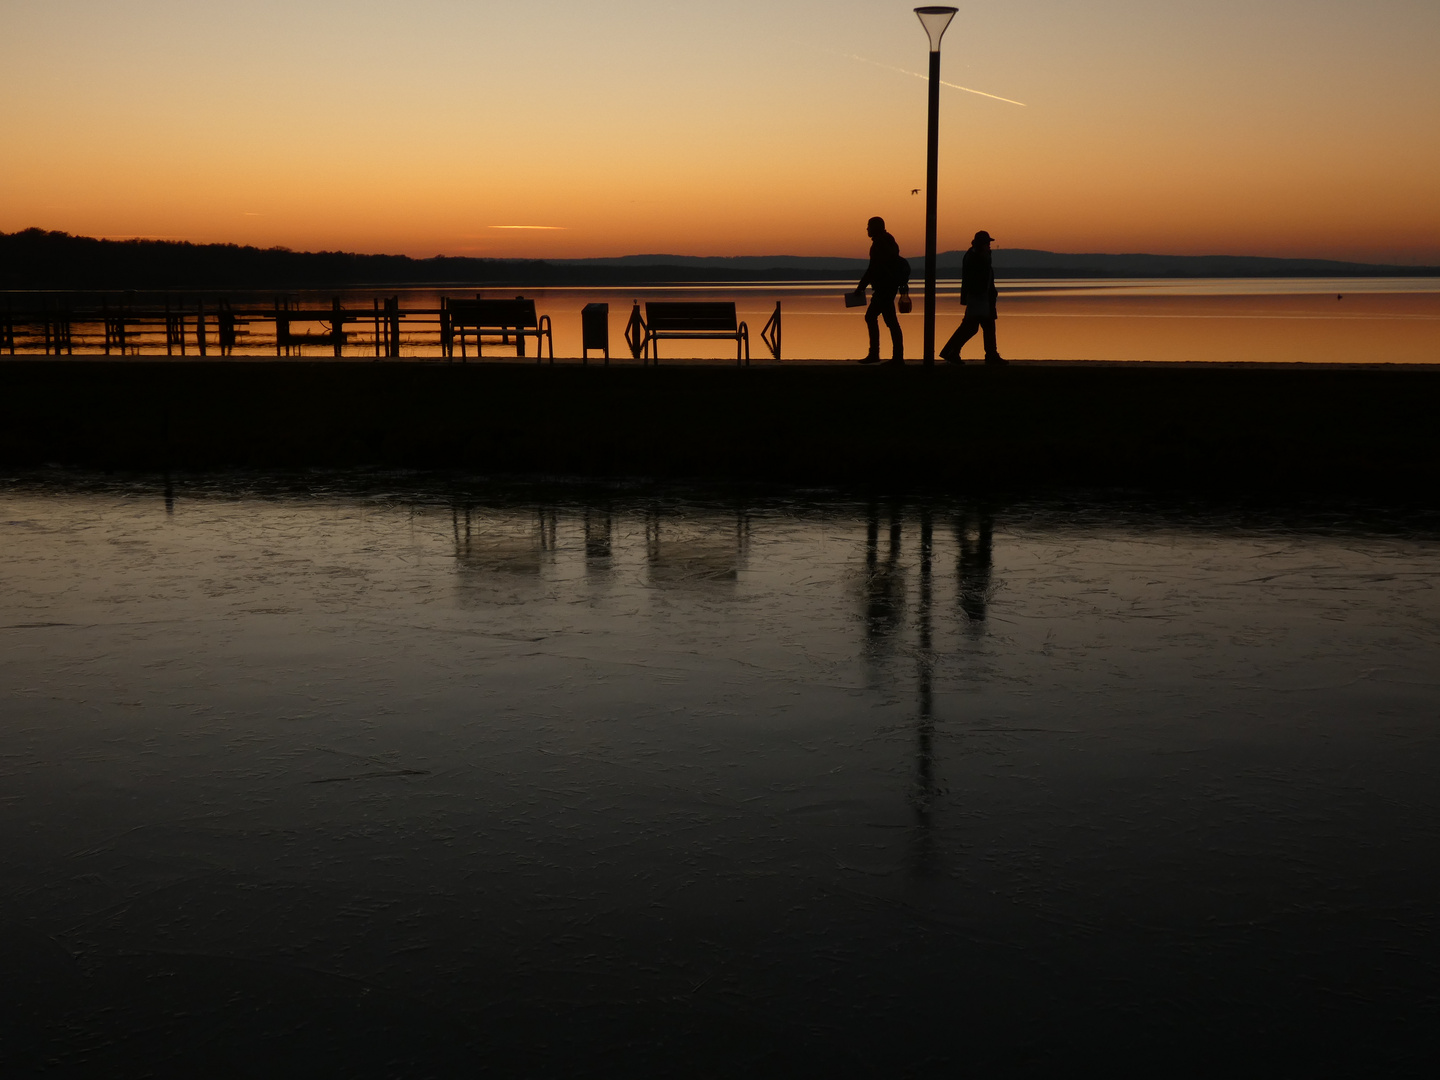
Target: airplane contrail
(917, 75)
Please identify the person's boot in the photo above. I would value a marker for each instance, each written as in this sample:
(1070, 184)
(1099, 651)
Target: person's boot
(951, 357)
(996, 359)
(873, 358)
(895, 361)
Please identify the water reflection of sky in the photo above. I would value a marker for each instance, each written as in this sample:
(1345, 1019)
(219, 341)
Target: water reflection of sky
(746, 764)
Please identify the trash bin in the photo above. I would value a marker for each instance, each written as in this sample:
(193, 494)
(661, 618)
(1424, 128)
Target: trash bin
(595, 330)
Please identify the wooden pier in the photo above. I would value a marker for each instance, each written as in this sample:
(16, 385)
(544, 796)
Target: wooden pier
(127, 324)
(205, 327)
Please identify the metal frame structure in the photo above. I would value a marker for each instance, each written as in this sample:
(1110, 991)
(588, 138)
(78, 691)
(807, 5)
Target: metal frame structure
(770, 332)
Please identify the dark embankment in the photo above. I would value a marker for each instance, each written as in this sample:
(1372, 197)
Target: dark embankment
(1291, 429)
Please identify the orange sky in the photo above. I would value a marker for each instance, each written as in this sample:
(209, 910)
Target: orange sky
(748, 127)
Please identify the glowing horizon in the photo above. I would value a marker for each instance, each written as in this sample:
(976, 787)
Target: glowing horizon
(1289, 129)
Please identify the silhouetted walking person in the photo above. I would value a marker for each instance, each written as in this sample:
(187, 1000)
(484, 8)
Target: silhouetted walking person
(884, 275)
(979, 294)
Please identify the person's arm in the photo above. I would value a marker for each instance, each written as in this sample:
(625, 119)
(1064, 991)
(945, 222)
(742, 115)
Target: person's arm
(868, 278)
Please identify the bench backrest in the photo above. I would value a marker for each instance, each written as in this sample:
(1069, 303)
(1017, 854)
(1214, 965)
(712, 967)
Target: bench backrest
(691, 315)
(485, 313)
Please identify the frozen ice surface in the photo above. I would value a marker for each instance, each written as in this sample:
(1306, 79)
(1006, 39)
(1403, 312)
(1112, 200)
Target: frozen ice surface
(380, 776)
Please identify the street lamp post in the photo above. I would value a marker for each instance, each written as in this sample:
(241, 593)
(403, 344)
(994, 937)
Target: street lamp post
(935, 20)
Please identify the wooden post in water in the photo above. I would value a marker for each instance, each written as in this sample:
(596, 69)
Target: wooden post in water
(57, 329)
(174, 328)
(336, 322)
(114, 330)
(200, 326)
(392, 306)
(121, 330)
(225, 327)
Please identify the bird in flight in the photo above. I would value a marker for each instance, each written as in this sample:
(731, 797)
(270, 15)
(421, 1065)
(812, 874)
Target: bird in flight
(914, 191)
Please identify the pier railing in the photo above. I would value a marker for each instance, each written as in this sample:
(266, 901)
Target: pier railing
(214, 326)
(131, 324)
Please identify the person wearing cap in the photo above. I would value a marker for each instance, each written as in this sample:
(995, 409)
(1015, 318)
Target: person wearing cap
(883, 277)
(978, 293)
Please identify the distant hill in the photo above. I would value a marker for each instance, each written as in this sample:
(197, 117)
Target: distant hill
(1024, 262)
(36, 259)
(1021, 262)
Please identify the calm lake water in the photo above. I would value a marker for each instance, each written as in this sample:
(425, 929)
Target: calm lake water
(385, 776)
(1330, 320)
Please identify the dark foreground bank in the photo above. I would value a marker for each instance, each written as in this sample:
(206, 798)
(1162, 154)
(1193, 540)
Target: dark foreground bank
(1361, 429)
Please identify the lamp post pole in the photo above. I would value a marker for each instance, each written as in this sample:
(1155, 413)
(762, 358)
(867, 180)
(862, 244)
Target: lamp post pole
(935, 20)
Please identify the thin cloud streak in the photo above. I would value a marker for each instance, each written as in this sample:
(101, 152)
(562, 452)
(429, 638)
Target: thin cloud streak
(548, 228)
(917, 75)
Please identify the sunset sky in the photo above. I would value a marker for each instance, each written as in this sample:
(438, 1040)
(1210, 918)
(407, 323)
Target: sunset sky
(736, 127)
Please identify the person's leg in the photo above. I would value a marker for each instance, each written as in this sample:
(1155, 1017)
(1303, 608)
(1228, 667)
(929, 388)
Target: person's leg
(897, 337)
(992, 352)
(872, 324)
(963, 333)
(892, 320)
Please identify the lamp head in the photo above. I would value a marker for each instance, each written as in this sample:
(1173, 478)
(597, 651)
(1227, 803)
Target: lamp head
(935, 20)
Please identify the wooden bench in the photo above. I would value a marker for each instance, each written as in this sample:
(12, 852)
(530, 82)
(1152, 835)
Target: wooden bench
(500, 318)
(686, 320)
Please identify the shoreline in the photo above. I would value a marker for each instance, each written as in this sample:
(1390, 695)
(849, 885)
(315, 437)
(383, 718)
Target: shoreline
(622, 362)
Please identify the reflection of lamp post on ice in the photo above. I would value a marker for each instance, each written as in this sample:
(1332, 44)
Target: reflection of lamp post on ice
(935, 20)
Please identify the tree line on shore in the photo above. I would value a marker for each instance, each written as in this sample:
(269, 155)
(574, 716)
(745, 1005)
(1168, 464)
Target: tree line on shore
(37, 259)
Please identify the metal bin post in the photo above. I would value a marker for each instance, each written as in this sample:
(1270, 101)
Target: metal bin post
(595, 331)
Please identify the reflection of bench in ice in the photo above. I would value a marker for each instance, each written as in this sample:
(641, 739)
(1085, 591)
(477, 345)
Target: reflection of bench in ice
(500, 547)
(696, 553)
(599, 533)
